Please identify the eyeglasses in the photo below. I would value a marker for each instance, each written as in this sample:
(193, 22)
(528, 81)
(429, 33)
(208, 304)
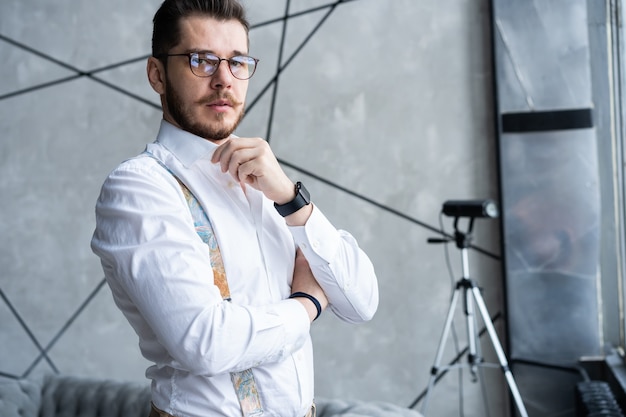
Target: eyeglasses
(203, 64)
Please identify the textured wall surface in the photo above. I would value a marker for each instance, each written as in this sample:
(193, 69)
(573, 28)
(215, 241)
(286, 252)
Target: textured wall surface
(382, 107)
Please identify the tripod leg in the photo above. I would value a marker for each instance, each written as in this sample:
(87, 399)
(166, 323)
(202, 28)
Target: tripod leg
(470, 319)
(499, 351)
(434, 371)
(478, 358)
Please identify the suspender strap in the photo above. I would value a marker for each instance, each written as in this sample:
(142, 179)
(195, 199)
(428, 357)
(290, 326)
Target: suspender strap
(243, 382)
(204, 229)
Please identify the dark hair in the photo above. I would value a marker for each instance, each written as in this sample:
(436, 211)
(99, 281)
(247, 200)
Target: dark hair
(166, 31)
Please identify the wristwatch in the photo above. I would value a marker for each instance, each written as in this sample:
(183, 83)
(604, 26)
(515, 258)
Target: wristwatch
(301, 199)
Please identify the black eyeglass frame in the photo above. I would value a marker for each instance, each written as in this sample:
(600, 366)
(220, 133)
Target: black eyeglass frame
(219, 60)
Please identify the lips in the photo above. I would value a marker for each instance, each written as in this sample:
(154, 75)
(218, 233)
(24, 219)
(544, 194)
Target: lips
(220, 103)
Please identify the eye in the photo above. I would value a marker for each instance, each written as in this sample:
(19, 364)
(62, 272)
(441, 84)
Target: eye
(205, 60)
(238, 61)
(195, 60)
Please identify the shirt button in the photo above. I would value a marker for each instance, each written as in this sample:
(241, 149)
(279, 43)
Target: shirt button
(316, 244)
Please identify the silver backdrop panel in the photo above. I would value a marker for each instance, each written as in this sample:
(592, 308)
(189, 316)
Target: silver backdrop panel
(550, 197)
(542, 55)
(551, 243)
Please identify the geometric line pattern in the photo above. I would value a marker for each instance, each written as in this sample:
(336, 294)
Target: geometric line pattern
(273, 84)
(30, 334)
(44, 352)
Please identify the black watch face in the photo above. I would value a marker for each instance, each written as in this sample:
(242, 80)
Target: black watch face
(303, 192)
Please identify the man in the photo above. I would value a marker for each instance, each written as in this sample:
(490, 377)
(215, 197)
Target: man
(216, 259)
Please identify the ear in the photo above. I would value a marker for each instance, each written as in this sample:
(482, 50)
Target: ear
(156, 75)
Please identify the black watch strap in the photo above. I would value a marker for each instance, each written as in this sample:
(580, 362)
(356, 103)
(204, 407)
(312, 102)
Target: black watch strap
(301, 199)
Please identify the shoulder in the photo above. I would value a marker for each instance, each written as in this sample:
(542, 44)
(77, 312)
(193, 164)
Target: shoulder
(140, 175)
(142, 165)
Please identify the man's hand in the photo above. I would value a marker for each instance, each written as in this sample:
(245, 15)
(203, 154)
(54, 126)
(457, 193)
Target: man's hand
(304, 281)
(251, 161)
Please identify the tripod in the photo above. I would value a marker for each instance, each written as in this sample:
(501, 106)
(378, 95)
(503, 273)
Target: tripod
(472, 297)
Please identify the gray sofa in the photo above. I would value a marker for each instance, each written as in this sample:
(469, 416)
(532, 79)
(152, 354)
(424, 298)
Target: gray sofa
(68, 396)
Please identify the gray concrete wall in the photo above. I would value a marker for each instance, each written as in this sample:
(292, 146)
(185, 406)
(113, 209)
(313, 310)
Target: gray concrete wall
(390, 100)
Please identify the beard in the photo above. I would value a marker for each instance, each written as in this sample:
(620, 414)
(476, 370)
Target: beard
(183, 116)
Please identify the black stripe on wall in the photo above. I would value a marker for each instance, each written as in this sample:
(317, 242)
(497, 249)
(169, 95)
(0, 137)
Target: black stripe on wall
(538, 121)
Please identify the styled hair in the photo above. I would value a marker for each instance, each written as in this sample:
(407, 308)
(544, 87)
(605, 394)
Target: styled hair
(166, 30)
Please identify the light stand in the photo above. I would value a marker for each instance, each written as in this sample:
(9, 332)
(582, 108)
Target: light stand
(472, 297)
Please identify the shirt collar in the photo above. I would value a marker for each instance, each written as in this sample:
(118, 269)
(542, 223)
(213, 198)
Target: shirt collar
(187, 147)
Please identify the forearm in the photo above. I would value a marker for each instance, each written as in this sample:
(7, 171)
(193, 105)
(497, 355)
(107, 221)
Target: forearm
(200, 332)
(342, 269)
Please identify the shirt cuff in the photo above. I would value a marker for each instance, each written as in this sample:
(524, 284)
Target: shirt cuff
(318, 239)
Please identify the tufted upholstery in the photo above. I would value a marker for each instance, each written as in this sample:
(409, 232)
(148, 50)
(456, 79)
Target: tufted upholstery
(79, 397)
(67, 396)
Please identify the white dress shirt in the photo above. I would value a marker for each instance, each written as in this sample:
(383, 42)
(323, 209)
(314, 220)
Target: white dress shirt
(161, 278)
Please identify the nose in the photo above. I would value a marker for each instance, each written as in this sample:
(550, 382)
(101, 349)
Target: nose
(222, 78)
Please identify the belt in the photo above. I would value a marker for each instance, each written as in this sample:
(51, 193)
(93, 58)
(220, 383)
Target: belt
(155, 412)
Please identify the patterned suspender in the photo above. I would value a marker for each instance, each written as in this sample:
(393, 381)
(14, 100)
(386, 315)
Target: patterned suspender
(243, 382)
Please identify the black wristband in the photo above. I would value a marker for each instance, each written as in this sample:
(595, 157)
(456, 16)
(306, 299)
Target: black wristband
(302, 198)
(310, 297)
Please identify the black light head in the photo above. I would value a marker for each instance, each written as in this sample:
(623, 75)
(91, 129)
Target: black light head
(470, 208)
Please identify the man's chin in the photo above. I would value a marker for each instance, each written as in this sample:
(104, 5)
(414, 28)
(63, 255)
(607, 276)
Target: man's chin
(211, 132)
(212, 127)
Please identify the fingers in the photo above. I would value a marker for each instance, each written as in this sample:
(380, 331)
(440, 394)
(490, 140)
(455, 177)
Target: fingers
(242, 166)
(251, 161)
(231, 155)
